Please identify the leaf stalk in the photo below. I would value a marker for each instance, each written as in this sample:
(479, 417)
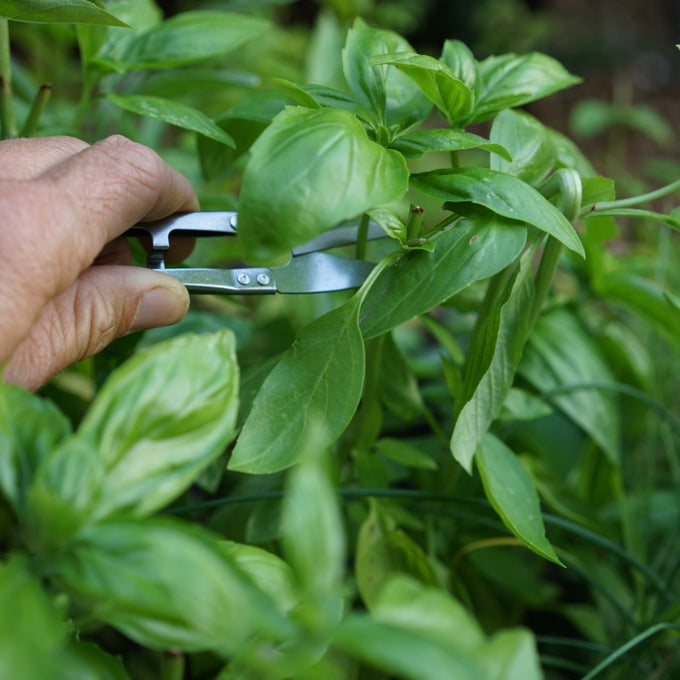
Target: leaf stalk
(7, 120)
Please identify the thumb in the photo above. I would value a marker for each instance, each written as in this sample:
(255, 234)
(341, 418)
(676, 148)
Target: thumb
(104, 303)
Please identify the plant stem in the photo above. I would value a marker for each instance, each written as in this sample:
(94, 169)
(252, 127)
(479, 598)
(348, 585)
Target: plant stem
(633, 200)
(362, 237)
(545, 276)
(32, 121)
(414, 226)
(7, 120)
(172, 666)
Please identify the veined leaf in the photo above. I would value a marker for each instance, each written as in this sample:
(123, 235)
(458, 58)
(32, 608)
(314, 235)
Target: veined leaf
(512, 494)
(172, 112)
(508, 81)
(459, 58)
(388, 97)
(470, 251)
(308, 171)
(533, 154)
(560, 353)
(501, 193)
(415, 144)
(166, 585)
(453, 98)
(492, 361)
(390, 223)
(62, 11)
(316, 384)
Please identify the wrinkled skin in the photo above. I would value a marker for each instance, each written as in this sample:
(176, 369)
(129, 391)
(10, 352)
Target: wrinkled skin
(67, 289)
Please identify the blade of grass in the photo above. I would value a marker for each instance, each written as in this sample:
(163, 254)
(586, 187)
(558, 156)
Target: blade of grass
(7, 121)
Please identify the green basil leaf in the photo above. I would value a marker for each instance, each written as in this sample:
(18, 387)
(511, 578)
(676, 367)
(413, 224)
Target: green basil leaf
(30, 429)
(511, 655)
(308, 171)
(404, 453)
(513, 495)
(172, 112)
(189, 37)
(33, 635)
(492, 362)
(384, 550)
(560, 353)
(62, 11)
(531, 149)
(453, 98)
(508, 81)
(404, 653)
(458, 57)
(88, 661)
(317, 383)
(388, 97)
(470, 251)
(397, 387)
(312, 531)
(415, 144)
(431, 612)
(501, 193)
(166, 584)
(389, 222)
(160, 419)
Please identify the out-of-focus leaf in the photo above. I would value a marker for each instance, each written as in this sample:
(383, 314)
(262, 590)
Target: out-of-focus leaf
(404, 653)
(398, 387)
(532, 153)
(501, 193)
(70, 11)
(513, 495)
(156, 423)
(172, 112)
(33, 635)
(522, 405)
(88, 661)
(404, 453)
(492, 362)
(316, 384)
(453, 98)
(384, 550)
(166, 585)
(470, 251)
(312, 530)
(511, 655)
(308, 171)
(560, 353)
(509, 80)
(388, 97)
(415, 144)
(30, 428)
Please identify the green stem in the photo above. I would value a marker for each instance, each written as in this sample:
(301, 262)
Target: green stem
(33, 119)
(172, 666)
(362, 237)
(633, 200)
(7, 121)
(414, 226)
(545, 276)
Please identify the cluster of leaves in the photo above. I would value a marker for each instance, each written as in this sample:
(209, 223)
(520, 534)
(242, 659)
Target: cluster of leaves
(407, 430)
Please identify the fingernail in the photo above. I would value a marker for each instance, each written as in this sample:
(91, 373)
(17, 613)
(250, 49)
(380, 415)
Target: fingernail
(159, 307)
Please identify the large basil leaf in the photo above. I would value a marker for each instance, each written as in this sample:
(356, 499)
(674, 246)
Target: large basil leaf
(308, 171)
(492, 362)
(513, 495)
(61, 11)
(470, 251)
(453, 98)
(166, 585)
(30, 429)
(158, 421)
(533, 154)
(501, 193)
(559, 354)
(509, 81)
(388, 97)
(172, 112)
(511, 655)
(316, 384)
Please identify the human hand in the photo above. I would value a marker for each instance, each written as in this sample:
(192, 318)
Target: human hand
(66, 289)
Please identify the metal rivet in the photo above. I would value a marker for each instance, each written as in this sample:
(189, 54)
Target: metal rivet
(263, 279)
(243, 279)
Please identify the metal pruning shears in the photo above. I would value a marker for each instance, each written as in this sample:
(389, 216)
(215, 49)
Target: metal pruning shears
(308, 270)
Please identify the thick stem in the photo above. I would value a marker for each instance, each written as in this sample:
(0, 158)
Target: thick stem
(362, 237)
(545, 276)
(32, 121)
(414, 226)
(172, 666)
(7, 121)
